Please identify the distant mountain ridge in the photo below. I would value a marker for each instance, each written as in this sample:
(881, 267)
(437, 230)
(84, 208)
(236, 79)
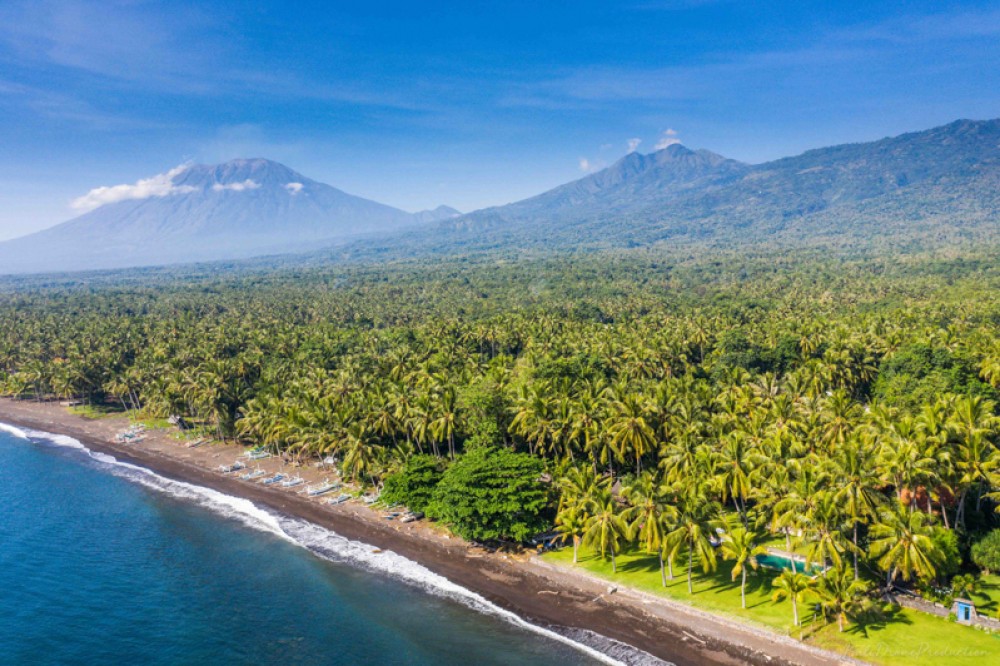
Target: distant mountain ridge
(242, 208)
(917, 184)
(437, 214)
(634, 182)
(932, 188)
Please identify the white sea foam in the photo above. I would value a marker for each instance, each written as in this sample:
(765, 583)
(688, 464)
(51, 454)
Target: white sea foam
(330, 545)
(11, 430)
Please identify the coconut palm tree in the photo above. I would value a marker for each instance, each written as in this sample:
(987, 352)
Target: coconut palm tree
(691, 534)
(823, 530)
(856, 489)
(651, 516)
(793, 585)
(990, 368)
(976, 460)
(360, 454)
(902, 544)
(740, 545)
(533, 411)
(571, 523)
(734, 465)
(606, 526)
(840, 595)
(579, 483)
(444, 423)
(629, 429)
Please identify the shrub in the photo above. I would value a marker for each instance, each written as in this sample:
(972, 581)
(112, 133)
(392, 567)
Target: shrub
(949, 559)
(986, 552)
(414, 484)
(964, 586)
(491, 494)
(920, 373)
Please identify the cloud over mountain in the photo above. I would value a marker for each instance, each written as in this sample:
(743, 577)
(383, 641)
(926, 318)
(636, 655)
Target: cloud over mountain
(160, 185)
(242, 208)
(248, 184)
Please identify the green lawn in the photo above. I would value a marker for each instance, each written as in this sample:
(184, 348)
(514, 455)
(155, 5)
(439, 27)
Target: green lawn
(156, 424)
(778, 541)
(988, 597)
(904, 639)
(96, 411)
(105, 411)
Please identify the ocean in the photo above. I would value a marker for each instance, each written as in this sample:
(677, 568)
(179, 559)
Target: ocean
(102, 562)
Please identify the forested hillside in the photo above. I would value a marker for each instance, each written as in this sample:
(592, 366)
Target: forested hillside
(848, 405)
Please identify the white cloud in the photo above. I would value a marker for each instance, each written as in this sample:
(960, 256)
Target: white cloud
(669, 138)
(633, 144)
(247, 184)
(294, 188)
(160, 185)
(584, 164)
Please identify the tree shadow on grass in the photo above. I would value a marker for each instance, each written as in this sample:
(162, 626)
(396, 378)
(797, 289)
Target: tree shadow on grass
(721, 579)
(640, 564)
(759, 583)
(875, 619)
(986, 598)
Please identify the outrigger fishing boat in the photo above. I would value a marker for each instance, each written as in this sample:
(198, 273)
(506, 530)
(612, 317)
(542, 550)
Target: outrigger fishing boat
(255, 474)
(273, 479)
(325, 487)
(339, 499)
(292, 481)
(133, 435)
(235, 467)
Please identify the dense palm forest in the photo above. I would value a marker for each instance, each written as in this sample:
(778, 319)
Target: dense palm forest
(845, 404)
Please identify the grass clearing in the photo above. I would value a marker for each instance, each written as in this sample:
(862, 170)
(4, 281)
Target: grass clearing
(96, 411)
(902, 638)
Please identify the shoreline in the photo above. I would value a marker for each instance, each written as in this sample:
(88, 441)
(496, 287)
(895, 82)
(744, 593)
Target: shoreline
(538, 592)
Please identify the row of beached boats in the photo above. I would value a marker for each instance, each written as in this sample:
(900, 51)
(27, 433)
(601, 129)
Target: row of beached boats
(317, 490)
(279, 479)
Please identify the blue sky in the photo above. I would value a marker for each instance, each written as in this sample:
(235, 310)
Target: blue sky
(465, 103)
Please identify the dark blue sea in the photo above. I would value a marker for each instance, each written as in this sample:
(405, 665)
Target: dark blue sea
(106, 563)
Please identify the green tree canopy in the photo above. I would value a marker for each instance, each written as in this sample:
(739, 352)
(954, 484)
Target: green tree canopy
(492, 494)
(414, 484)
(986, 551)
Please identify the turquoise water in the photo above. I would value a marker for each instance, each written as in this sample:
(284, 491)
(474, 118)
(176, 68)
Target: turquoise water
(779, 563)
(106, 563)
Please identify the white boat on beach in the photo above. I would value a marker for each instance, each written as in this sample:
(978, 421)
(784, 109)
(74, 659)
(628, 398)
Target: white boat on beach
(273, 479)
(292, 481)
(133, 435)
(325, 487)
(235, 467)
(255, 474)
(339, 499)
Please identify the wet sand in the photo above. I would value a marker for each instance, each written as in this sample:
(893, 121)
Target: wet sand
(537, 591)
